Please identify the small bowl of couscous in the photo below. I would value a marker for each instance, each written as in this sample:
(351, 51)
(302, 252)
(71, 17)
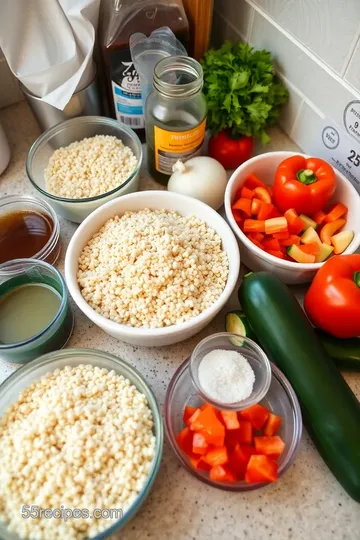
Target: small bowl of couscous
(80, 164)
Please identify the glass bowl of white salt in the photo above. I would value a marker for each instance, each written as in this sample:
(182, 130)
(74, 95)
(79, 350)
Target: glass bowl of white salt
(230, 372)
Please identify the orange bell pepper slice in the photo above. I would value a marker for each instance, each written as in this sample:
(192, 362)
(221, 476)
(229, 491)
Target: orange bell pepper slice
(230, 419)
(337, 212)
(254, 225)
(272, 425)
(305, 184)
(257, 415)
(221, 473)
(216, 456)
(244, 205)
(330, 229)
(261, 469)
(208, 424)
(252, 181)
(247, 193)
(199, 444)
(269, 446)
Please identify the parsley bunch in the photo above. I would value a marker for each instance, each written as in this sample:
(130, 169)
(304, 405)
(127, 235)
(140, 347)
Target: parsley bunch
(242, 90)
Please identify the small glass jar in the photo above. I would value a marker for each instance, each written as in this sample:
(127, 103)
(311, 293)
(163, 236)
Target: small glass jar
(175, 115)
(21, 272)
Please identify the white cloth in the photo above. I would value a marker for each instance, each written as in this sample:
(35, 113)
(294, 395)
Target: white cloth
(49, 45)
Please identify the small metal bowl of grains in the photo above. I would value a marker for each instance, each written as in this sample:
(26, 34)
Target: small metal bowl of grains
(80, 164)
(81, 437)
(152, 268)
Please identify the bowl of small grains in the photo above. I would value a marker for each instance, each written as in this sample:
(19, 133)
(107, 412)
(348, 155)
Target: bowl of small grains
(81, 437)
(82, 163)
(152, 268)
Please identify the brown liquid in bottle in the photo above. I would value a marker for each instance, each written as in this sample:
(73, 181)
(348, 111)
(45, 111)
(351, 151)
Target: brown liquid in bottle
(121, 75)
(23, 234)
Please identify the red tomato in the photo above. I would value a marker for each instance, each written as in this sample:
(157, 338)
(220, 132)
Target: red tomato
(230, 152)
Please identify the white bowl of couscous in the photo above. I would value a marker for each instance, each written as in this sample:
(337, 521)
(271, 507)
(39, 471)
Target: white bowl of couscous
(84, 162)
(152, 268)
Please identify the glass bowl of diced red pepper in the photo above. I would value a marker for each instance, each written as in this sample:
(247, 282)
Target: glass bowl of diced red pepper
(236, 451)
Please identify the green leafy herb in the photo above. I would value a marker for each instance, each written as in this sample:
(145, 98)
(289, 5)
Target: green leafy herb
(242, 90)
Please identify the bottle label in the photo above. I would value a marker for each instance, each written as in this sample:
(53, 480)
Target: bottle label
(127, 92)
(173, 145)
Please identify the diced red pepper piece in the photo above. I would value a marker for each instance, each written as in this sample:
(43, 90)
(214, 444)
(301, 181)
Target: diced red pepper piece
(193, 417)
(291, 215)
(318, 217)
(199, 445)
(276, 225)
(255, 206)
(272, 425)
(238, 216)
(275, 213)
(221, 473)
(188, 412)
(296, 226)
(278, 254)
(198, 463)
(329, 229)
(261, 469)
(252, 181)
(257, 415)
(262, 193)
(254, 225)
(337, 212)
(244, 205)
(313, 248)
(258, 244)
(281, 235)
(245, 432)
(256, 236)
(209, 425)
(271, 243)
(184, 439)
(265, 211)
(239, 459)
(290, 241)
(230, 419)
(269, 446)
(247, 193)
(216, 456)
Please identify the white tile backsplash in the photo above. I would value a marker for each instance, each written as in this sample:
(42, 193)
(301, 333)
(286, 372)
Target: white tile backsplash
(328, 28)
(307, 124)
(352, 74)
(291, 110)
(237, 13)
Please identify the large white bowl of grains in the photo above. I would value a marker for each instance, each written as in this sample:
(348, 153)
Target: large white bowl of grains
(84, 162)
(152, 268)
(81, 437)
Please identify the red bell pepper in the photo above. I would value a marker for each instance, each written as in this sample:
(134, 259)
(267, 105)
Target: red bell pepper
(188, 412)
(272, 425)
(333, 300)
(257, 415)
(269, 446)
(221, 473)
(305, 184)
(208, 424)
(261, 469)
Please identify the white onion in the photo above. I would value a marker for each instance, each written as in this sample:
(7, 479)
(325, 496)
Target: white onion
(202, 178)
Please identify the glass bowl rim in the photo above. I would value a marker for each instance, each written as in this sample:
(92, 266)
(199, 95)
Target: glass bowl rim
(157, 419)
(101, 120)
(63, 303)
(245, 403)
(292, 450)
(50, 245)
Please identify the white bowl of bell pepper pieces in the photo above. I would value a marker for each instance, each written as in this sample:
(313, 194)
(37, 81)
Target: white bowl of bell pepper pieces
(292, 212)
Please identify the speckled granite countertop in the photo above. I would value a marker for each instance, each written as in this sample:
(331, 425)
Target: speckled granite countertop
(307, 502)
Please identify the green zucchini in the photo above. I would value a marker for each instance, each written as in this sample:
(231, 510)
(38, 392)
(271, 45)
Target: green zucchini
(330, 409)
(344, 352)
(236, 322)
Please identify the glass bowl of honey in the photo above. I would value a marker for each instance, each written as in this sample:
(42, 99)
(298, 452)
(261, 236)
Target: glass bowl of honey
(29, 228)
